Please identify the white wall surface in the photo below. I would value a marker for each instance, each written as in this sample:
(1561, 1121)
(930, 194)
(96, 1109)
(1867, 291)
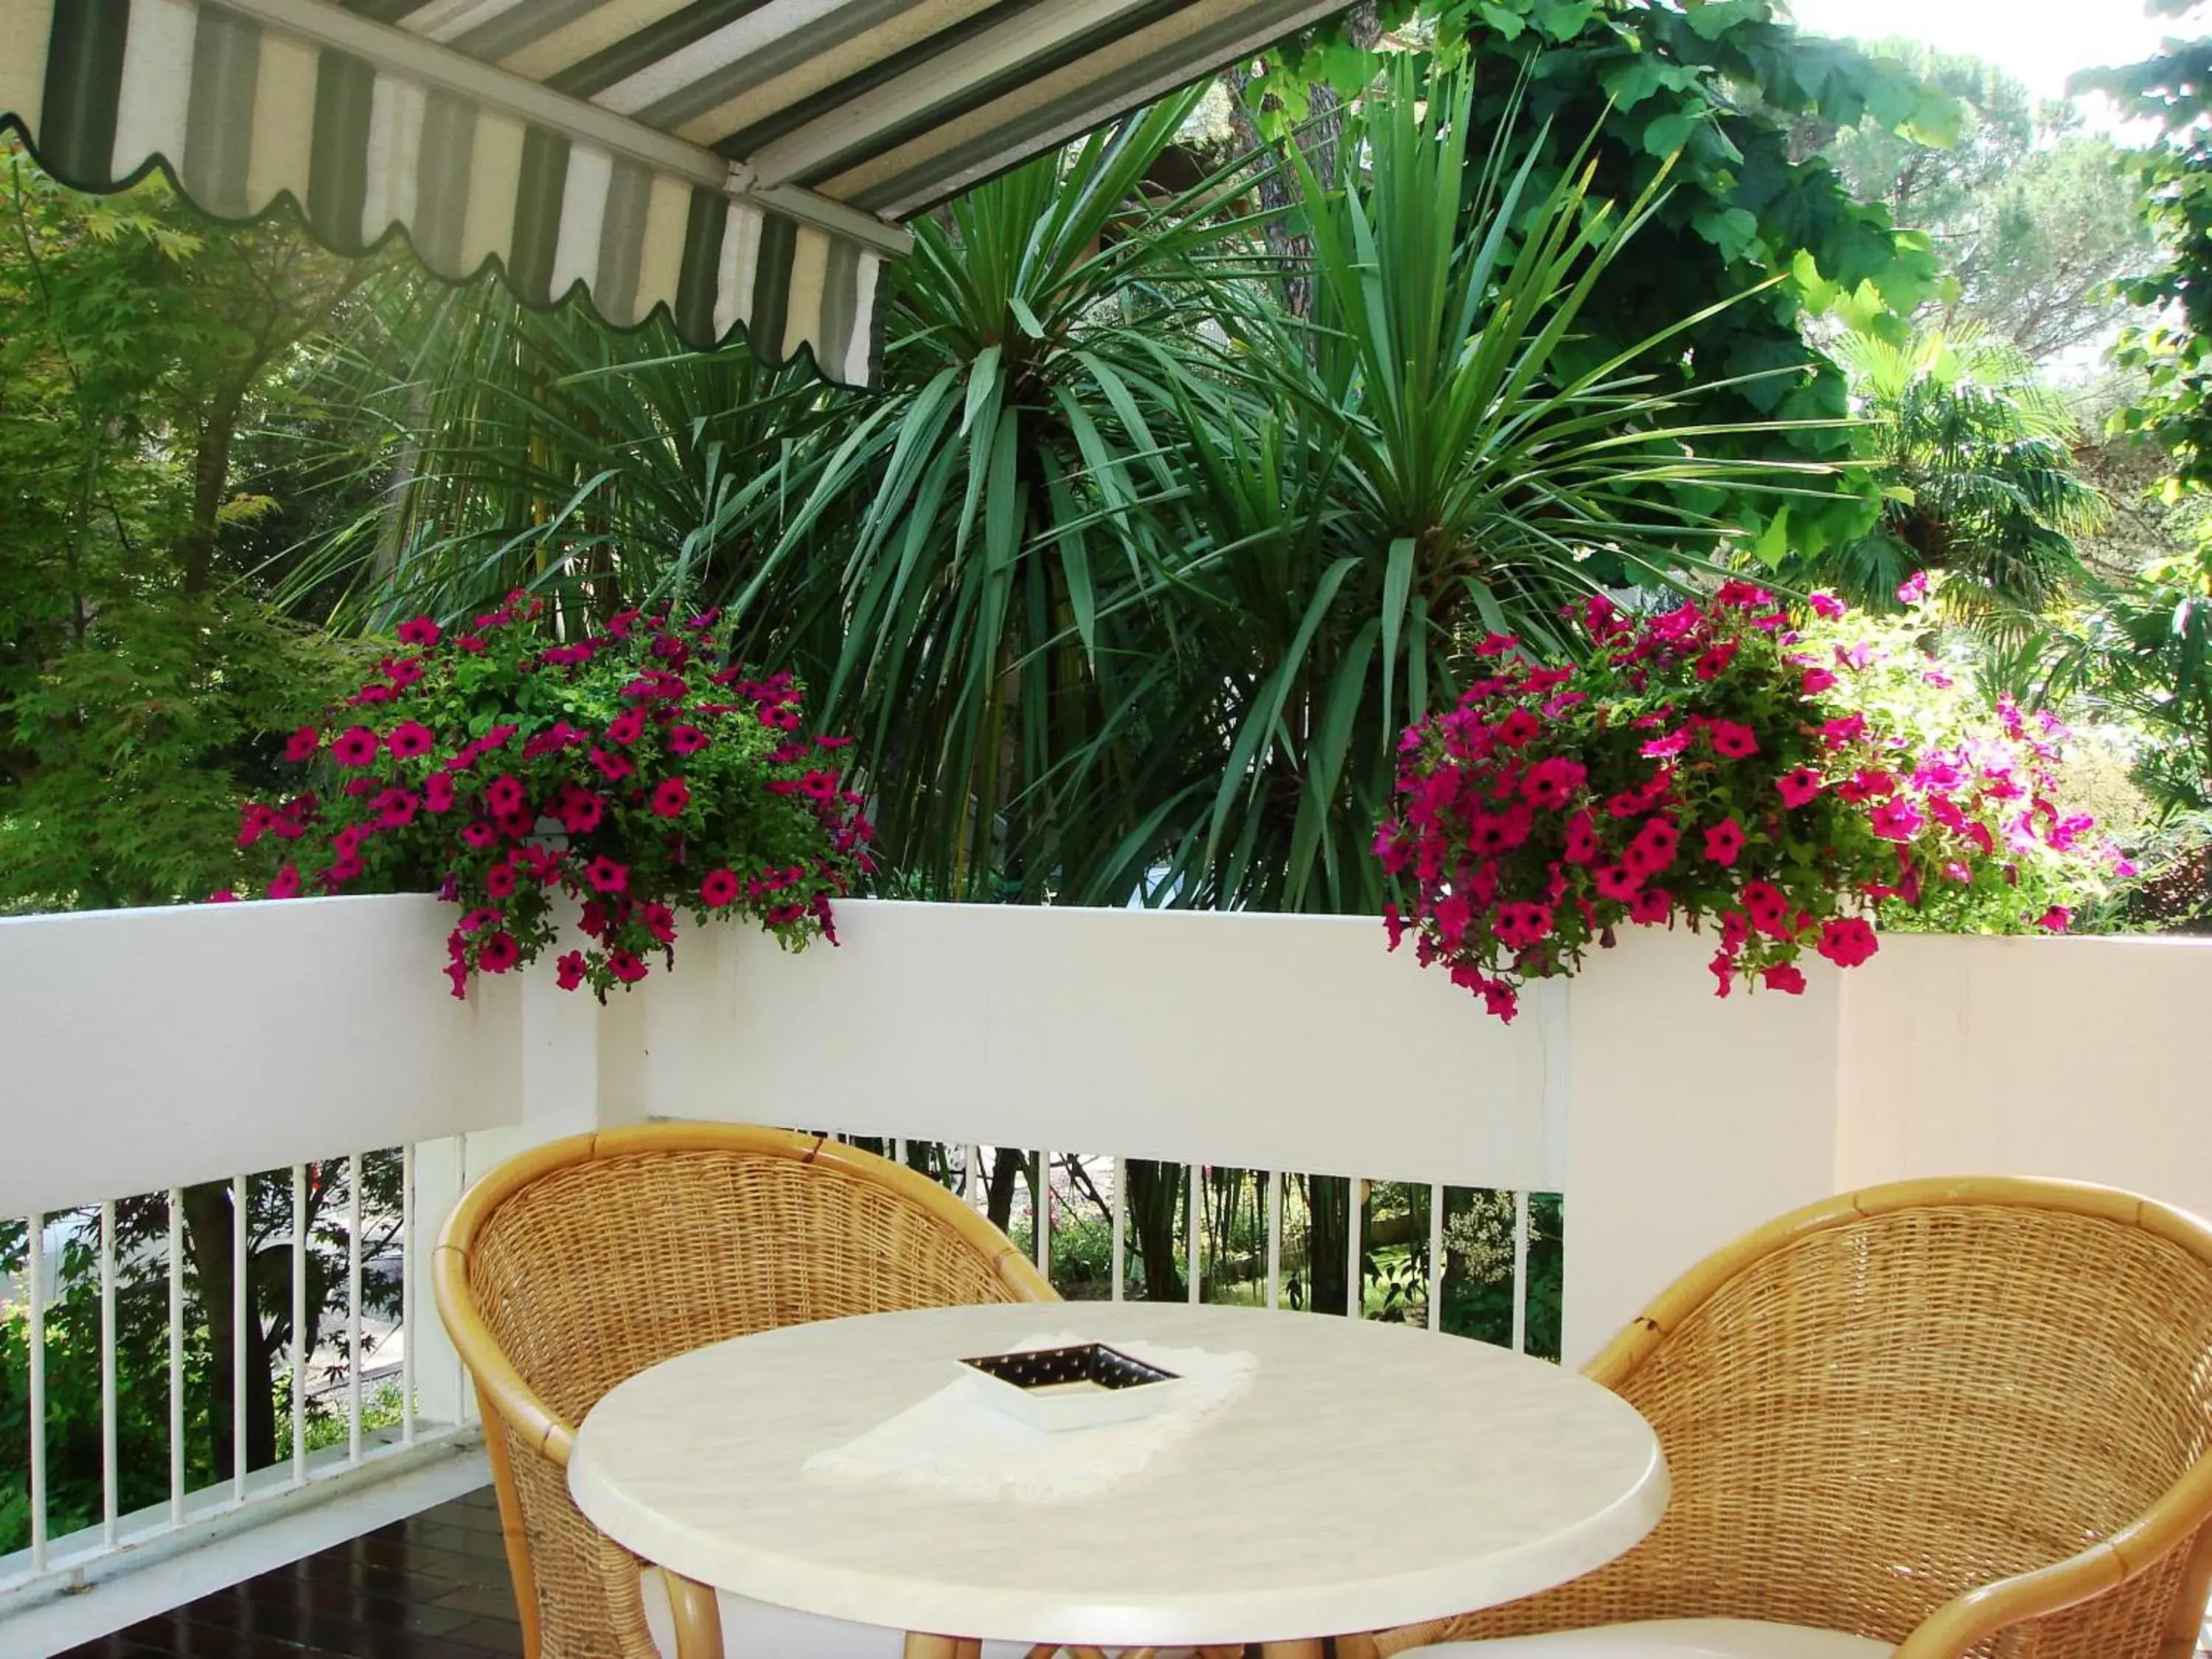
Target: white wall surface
(148, 1048)
(1281, 1042)
(141, 1049)
(2085, 1058)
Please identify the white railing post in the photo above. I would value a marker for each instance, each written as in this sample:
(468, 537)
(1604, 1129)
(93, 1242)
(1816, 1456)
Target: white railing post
(107, 1470)
(34, 1270)
(1436, 1256)
(1120, 1229)
(1521, 1273)
(1274, 1238)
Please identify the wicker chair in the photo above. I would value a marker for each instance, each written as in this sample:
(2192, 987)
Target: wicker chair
(581, 1263)
(1963, 1417)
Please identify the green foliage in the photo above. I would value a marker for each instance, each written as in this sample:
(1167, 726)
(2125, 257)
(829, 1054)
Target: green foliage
(2174, 353)
(1977, 477)
(134, 682)
(74, 1422)
(130, 751)
(1707, 91)
(1430, 454)
(2033, 218)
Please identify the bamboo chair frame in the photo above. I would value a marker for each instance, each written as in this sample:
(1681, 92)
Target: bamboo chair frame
(521, 1423)
(2003, 1617)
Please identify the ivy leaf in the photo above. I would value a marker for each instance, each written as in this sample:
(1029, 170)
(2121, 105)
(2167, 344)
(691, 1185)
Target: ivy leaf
(1668, 134)
(1508, 22)
(1563, 19)
(1731, 230)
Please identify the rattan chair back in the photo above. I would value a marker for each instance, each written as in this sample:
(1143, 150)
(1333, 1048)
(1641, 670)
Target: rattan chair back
(1966, 1417)
(581, 1263)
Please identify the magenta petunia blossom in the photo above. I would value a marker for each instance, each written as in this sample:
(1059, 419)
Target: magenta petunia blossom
(568, 971)
(438, 793)
(1785, 978)
(1897, 819)
(1723, 970)
(605, 876)
(1613, 881)
(670, 797)
(1724, 841)
(686, 740)
(1848, 941)
(626, 728)
(1800, 787)
(504, 795)
(719, 888)
(626, 966)
(1815, 681)
(1735, 741)
(408, 740)
(613, 768)
(1714, 663)
(395, 808)
(418, 630)
(497, 951)
(1651, 906)
(501, 881)
(285, 884)
(356, 747)
(480, 834)
(303, 744)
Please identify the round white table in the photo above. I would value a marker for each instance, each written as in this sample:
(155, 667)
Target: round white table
(1372, 1475)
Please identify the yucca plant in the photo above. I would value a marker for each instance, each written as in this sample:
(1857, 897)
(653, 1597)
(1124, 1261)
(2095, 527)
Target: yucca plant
(1416, 465)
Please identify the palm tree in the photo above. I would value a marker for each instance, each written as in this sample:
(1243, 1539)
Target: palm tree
(1978, 478)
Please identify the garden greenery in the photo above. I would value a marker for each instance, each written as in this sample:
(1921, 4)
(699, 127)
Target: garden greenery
(1714, 762)
(506, 766)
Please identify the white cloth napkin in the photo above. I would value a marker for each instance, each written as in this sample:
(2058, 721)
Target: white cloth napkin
(955, 1442)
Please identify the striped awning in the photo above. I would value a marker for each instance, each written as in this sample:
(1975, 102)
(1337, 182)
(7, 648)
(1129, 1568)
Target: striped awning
(744, 164)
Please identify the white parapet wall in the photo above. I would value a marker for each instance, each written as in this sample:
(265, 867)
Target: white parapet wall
(142, 1049)
(151, 1049)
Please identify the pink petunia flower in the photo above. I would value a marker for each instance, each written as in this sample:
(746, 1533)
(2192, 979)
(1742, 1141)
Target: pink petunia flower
(686, 739)
(605, 876)
(1614, 881)
(504, 795)
(408, 740)
(1897, 819)
(568, 971)
(497, 951)
(1785, 978)
(627, 967)
(1651, 906)
(1714, 662)
(356, 747)
(1799, 788)
(1724, 841)
(718, 888)
(613, 768)
(438, 793)
(395, 808)
(302, 744)
(1733, 741)
(418, 630)
(1848, 941)
(1816, 681)
(626, 727)
(501, 881)
(2056, 920)
(670, 797)
(1722, 968)
(1827, 605)
(1582, 839)
(285, 884)
(480, 834)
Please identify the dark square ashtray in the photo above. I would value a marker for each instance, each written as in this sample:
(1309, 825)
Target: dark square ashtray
(1074, 1387)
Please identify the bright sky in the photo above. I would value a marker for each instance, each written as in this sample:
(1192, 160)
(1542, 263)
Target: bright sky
(2041, 41)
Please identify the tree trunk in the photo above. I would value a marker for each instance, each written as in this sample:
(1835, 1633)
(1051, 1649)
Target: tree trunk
(210, 485)
(1328, 1210)
(1006, 1165)
(1324, 127)
(1155, 1192)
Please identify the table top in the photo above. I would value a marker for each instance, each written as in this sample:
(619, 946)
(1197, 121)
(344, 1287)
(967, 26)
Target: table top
(1372, 1475)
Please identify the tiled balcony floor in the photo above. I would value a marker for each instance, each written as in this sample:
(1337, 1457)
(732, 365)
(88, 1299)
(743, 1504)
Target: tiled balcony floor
(432, 1587)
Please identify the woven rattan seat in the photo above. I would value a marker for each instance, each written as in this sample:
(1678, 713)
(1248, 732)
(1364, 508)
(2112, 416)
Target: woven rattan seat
(1961, 1417)
(580, 1264)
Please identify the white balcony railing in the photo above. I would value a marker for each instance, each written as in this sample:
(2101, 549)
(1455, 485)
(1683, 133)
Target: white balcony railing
(151, 1053)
